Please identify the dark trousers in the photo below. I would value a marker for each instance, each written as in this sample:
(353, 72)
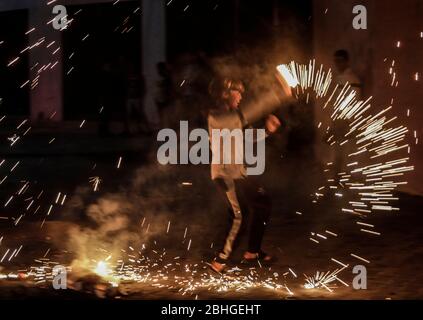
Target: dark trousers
(242, 197)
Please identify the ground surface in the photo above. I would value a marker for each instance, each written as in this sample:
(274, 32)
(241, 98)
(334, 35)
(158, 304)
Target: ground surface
(182, 223)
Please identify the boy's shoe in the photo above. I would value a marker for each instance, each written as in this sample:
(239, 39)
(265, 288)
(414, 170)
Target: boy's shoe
(259, 256)
(217, 265)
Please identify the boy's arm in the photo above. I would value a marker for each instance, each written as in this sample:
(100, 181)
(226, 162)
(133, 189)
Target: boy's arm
(272, 124)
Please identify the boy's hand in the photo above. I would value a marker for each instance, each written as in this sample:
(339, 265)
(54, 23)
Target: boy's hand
(272, 123)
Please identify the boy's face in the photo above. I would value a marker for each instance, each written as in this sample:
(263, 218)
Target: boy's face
(233, 98)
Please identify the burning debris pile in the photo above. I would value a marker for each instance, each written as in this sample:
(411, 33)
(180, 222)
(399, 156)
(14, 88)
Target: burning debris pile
(121, 234)
(111, 228)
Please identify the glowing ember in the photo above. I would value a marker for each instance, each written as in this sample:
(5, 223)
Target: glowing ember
(102, 269)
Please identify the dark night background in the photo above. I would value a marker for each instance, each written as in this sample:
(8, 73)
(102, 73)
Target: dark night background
(208, 27)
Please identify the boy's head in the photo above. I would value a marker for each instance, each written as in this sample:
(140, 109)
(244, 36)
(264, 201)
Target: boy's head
(228, 91)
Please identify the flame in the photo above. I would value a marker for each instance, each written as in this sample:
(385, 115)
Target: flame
(287, 75)
(102, 269)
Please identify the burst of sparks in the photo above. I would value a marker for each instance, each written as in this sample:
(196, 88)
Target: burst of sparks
(323, 279)
(369, 137)
(95, 181)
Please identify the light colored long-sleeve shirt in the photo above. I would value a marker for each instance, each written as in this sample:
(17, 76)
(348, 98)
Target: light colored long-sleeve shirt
(231, 120)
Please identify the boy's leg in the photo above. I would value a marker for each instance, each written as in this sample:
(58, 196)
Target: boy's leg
(229, 192)
(261, 206)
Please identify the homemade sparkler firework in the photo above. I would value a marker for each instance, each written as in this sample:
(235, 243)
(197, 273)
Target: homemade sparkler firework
(375, 163)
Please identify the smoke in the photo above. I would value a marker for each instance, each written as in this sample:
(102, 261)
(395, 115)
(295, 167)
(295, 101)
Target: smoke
(154, 210)
(255, 64)
(109, 229)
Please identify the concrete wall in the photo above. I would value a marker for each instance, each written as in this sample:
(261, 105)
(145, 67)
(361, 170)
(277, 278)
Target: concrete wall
(388, 22)
(47, 96)
(153, 51)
